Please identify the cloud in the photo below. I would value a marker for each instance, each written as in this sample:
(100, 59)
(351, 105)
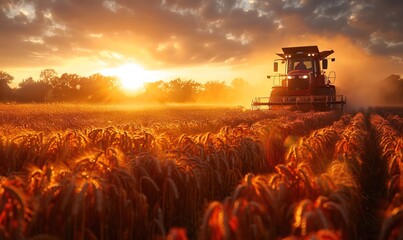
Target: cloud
(182, 32)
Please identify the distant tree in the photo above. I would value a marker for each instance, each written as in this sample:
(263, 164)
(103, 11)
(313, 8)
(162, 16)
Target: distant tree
(86, 89)
(73, 85)
(215, 91)
(59, 87)
(155, 92)
(6, 93)
(47, 76)
(99, 88)
(32, 91)
(5, 77)
(26, 82)
(66, 87)
(73, 81)
(181, 91)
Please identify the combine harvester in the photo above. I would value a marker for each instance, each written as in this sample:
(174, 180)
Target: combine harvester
(305, 85)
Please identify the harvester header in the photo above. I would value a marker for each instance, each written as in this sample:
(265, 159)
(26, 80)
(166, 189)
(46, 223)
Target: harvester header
(304, 83)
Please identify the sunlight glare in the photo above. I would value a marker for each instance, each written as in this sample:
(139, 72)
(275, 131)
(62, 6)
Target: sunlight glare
(132, 76)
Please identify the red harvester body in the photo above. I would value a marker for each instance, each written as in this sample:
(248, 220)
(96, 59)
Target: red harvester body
(304, 84)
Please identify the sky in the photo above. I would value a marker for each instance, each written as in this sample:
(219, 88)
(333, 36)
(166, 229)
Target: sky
(201, 40)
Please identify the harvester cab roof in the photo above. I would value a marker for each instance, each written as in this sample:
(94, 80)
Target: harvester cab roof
(306, 51)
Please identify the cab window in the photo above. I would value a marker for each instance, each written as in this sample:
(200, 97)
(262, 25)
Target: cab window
(300, 64)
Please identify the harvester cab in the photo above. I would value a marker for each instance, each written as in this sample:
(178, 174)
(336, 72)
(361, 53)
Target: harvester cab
(304, 84)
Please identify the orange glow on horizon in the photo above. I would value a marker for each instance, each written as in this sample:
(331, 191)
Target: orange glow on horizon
(132, 76)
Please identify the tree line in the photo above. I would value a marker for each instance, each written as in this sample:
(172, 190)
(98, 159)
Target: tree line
(107, 89)
(98, 88)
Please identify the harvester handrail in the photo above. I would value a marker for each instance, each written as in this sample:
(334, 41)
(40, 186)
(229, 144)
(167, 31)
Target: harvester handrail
(331, 77)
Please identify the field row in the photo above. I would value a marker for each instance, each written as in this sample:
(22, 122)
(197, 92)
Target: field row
(389, 145)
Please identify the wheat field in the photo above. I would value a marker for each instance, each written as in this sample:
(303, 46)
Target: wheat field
(71, 171)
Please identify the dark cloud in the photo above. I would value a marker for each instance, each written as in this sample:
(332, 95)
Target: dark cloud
(183, 32)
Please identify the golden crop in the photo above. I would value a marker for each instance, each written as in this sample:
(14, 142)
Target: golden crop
(208, 174)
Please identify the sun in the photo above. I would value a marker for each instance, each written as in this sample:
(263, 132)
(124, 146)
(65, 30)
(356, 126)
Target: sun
(132, 76)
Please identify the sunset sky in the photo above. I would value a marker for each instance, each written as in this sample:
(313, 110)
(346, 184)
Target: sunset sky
(198, 39)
